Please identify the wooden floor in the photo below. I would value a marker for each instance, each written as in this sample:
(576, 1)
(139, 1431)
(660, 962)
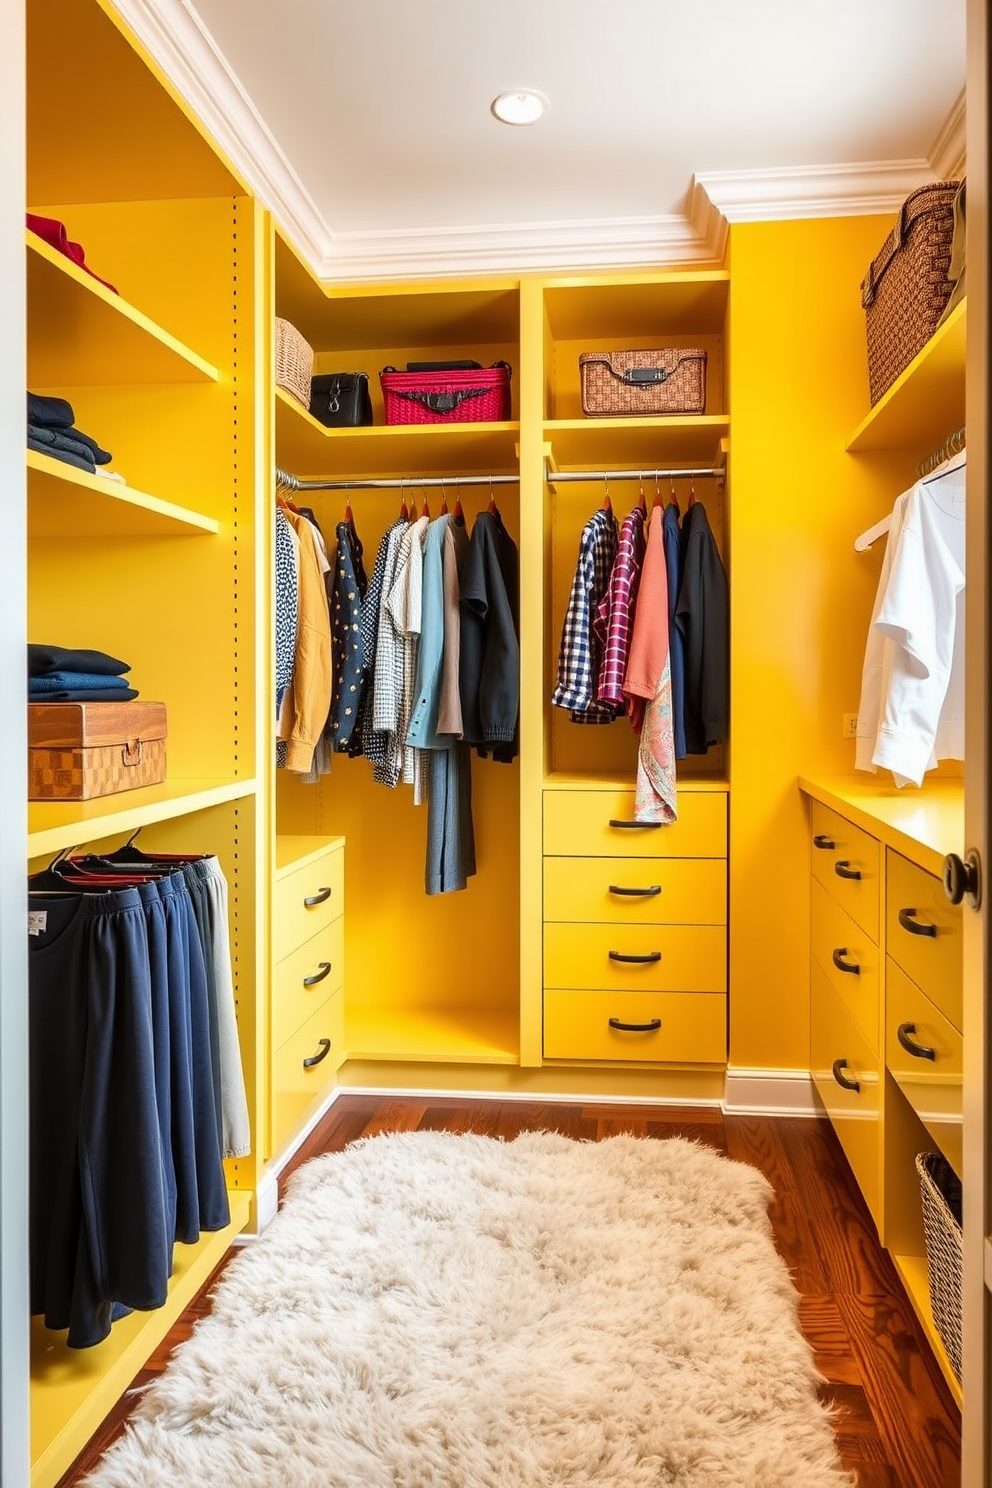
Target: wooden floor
(896, 1423)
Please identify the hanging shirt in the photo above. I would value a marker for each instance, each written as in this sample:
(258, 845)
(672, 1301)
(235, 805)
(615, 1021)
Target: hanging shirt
(287, 582)
(916, 640)
(672, 534)
(702, 616)
(309, 697)
(346, 634)
(578, 655)
(648, 686)
(364, 739)
(423, 732)
(404, 604)
(614, 613)
(388, 676)
(489, 664)
(456, 545)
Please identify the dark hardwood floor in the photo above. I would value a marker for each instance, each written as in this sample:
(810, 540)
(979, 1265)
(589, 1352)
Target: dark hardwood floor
(896, 1423)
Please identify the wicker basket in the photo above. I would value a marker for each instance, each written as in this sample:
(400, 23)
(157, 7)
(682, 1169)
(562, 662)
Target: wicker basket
(294, 362)
(618, 383)
(453, 396)
(941, 1190)
(907, 286)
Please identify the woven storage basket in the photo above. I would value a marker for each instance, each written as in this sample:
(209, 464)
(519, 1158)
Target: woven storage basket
(941, 1191)
(618, 383)
(294, 362)
(456, 396)
(907, 286)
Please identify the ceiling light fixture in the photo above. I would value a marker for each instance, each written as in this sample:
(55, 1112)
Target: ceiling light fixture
(520, 106)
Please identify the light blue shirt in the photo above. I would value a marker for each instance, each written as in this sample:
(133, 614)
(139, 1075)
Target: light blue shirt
(422, 732)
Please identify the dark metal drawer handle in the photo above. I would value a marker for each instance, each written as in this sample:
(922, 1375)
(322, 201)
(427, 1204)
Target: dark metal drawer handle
(318, 976)
(644, 826)
(849, 966)
(915, 927)
(651, 1027)
(319, 898)
(325, 1049)
(826, 844)
(843, 869)
(636, 893)
(919, 1051)
(641, 960)
(844, 1081)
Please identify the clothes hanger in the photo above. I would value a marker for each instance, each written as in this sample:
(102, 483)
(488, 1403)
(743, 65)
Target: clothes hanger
(641, 498)
(444, 499)
(607, 504)
(492, 498)
(457, 510)
(864, 540)
(692, 491)
(658, 501)
(425, 510)
(404, 509)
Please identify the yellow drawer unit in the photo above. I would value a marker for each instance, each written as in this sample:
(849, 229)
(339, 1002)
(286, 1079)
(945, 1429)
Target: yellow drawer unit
(845, 1072)
(636, 958)
(849, 960)
(924, 1054)
(646, 1028)
(302, 980)
(620, 891)
(847, 862)
(923, 934)
(600, 823)
(303, 1068)
(307, 899)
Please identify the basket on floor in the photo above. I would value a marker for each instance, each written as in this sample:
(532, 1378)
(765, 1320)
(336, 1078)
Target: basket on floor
(941, 1191)
(294, 362)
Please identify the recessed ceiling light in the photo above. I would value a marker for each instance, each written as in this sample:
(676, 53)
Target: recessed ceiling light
(521, 106)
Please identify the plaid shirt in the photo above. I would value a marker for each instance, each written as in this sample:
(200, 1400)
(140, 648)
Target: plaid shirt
(578, 658)
(615, 613)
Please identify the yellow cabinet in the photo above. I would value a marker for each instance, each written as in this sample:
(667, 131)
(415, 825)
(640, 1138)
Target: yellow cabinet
(849, 960)
(304, 1066)
(923, 933)
(676, 1027)
(845, 861)
(307, 899)
(924, 1055)
(638, 958)
(845, 1071)
(623, 891)
(302, 980)
(600, 823)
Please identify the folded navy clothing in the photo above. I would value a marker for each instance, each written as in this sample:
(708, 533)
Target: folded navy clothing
(42, 659)
(87, 695)
(78, 681)
(72, 440)
(68, 457)
(51, 413)
(100, 455)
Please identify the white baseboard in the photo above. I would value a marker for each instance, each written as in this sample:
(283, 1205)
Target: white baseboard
(552, 1097)
(761, 1092)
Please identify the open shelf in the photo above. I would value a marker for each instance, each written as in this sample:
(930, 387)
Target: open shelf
(72, 1390)
(66, 502)
(637, 305)
(926, 401)
(913, 1275)
(294, 852)
(53, 825)
(602, 442)
(435, 1035)
(82, 334)
(306, 448)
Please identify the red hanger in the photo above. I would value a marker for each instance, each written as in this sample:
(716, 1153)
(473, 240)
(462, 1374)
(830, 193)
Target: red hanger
(641, 499)
(607, 504)
(444, 501)
(425, 510)
(692, 490)
(347, 514)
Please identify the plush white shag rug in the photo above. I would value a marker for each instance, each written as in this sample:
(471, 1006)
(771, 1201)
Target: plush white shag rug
(439, 1311)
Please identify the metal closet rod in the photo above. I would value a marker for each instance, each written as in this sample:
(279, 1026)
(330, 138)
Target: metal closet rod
(434, 482)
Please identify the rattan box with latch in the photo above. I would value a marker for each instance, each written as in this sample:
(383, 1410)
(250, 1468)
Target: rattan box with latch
(617, 384)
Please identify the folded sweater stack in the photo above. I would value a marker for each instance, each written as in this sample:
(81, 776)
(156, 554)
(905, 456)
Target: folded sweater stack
(57, 674)
(51, 431)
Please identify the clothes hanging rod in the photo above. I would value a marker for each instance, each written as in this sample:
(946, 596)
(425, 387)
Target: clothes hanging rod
(675, 472)
(289, 482)
(952, 445)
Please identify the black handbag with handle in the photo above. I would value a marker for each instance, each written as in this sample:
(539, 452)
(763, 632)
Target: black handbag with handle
(341, 400)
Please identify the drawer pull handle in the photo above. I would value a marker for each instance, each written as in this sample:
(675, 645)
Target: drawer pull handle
(824, 843)
(919, 1051)
(908, 921)
(636, 893)
(318, 976)
(849, 966)
(844, 1081)
(641, 960)
(843, 869)
(325, 1049)
(644, 826)
(651, 1027)
(320, 897)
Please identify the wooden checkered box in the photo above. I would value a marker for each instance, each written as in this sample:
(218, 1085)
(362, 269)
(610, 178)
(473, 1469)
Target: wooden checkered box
(77, 751)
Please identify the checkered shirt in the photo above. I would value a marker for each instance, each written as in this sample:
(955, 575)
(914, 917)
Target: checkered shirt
(614, 616)
(578, 658)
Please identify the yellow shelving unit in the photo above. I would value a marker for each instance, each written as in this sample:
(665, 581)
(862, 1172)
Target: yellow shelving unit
(66, 502)
(54, 825)
(926, 401)
(912, 1271)
(432, 1033)
(610, 442)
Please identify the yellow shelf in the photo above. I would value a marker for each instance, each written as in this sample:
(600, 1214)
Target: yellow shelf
(464, 1035)
(926, 401)
(72, 1390)
(924, 825)
(692, 301)
(913, 1275)
(632, 442)
(294, 852)
(53, 825)
(66, 502)
(306, 448)
(82, 334)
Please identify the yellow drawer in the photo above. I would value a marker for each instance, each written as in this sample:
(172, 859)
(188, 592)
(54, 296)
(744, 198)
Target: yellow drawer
(933, 1086)
(296, 1086)
(847, 862)
(577, 825)
(915, 902)
(839, 1054)
(293, 919)
(670, 1027)
(620, 891)
(320, 960)
(683, 958)
(838, 942)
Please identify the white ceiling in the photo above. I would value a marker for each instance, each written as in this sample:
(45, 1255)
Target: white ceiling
(381, 107)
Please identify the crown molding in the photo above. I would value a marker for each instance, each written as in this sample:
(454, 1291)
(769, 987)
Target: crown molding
(948, 152)
(176, 39)
(786, 192)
